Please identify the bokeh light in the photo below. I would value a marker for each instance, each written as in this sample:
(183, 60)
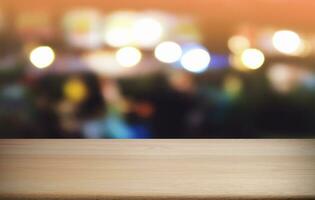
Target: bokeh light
(82, 28)
(42, 57)
(128, 56)
(305, 49)
(196, 60)
(187, 30)
(118, 29)
(75, 90)
(252, 58)
(238, 43)
(287, 42)
(147, 32)
(232, 85)
(168, 52)
(153, 70)
(118, 37)
(281, 77)
(236, 62)
(103, 62)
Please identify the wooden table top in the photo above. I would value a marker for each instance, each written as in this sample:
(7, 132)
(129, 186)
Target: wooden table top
(157, 169)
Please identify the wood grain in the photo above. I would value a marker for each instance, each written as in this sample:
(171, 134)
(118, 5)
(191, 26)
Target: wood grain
(157, 169)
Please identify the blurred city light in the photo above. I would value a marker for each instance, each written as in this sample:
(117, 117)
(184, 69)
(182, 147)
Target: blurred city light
(118, 37)
(93, 89)
(75, 90)
(168, 52)
(219, 61)
(287, 42)
(42, 57)
(238, 43)
(281, 77)
(82, 28)
(128, 56)
(232, 85)
(305, 49)
(103, 62)
(196, 60)
(284, 77)
(186, 30)
(236, 62)
(252, 58)
(147, 32)
(118, 29)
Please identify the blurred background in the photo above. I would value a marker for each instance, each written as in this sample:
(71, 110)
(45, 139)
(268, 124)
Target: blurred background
(157, 69)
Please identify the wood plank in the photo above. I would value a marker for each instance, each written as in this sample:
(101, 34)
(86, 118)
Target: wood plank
(157, 169)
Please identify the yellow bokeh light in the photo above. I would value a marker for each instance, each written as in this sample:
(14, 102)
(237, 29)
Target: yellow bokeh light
(42, 57)
(128, 56)
(304, 49)
(236, 62)
(287, 42)
(75, 90)
(252, 58)
(147, 32)
(196, 60)
(168, 52)
(238, 43)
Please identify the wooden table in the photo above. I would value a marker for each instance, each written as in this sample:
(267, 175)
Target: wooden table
(157, 169)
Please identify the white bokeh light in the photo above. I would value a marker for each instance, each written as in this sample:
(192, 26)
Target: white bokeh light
(168, 52)
(42, 57)
(118, 37)
(252, 58)
(287, 42)
(147, 32)
(118, 29)
(195, 60)
(128, 56)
